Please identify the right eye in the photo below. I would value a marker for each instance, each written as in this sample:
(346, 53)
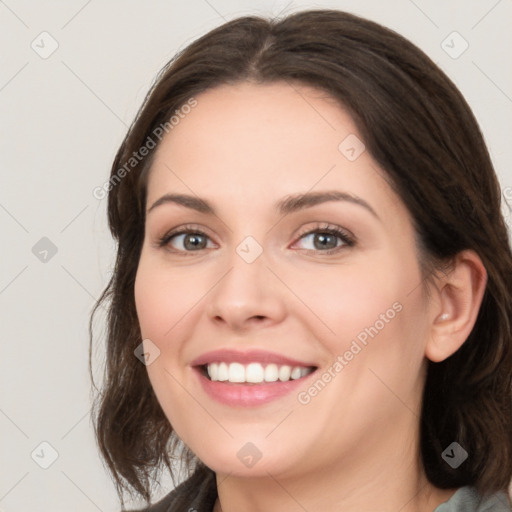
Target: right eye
(190, 240)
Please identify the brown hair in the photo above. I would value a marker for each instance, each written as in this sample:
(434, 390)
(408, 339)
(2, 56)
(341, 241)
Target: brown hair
(420, 130)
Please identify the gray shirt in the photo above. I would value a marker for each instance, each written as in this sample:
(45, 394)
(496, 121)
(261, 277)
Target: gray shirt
(467, 499)
(199, 493)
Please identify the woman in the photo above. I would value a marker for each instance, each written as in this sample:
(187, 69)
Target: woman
(311, 303)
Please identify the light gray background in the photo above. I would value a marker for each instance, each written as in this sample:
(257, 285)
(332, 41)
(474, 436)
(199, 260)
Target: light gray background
(62, 119)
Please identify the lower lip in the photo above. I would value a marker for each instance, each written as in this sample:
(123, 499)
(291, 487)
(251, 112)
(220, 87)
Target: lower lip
(248, 395)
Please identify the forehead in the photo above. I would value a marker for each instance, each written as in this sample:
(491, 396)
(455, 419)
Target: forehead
(248, 143)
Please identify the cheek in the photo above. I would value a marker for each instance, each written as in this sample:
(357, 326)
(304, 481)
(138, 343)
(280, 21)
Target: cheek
(349, 298)
(161, 302)
(162, 298)
(378, 305)
(148, 302)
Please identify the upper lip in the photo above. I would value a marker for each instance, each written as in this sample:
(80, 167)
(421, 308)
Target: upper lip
(249, 356)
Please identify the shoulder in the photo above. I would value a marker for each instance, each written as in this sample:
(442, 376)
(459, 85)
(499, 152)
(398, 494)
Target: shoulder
(196, 494)
(467, 499)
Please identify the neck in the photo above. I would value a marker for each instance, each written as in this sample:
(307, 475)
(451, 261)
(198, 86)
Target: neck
(393, 480)
(423, 497)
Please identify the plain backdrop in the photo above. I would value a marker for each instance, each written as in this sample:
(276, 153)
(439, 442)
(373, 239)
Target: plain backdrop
(72, 77)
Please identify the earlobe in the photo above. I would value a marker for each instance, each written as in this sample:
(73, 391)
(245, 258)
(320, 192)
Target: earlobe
(459, 294)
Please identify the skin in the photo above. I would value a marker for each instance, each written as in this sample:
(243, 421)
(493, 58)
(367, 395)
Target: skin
(354, 446)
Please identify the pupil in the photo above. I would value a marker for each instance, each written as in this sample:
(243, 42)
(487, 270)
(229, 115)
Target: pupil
(325, 238)
(194, 239)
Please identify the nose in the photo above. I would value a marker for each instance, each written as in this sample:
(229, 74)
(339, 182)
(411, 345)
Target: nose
(248, 295)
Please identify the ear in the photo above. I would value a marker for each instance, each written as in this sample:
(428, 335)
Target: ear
(455, 305)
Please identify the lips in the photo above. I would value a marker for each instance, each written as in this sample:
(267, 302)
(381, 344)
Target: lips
(246, 357)
(247, 390)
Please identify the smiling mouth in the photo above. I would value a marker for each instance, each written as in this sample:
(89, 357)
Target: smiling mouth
(253, 373)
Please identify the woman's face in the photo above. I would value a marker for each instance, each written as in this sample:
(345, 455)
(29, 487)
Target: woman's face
(262, 274)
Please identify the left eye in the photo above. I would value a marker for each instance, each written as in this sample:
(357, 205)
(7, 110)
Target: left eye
(326, 240)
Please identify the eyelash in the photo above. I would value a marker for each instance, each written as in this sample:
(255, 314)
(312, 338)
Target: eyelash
(348, 240)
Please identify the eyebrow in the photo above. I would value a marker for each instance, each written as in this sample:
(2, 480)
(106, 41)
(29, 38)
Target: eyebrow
(285, 206)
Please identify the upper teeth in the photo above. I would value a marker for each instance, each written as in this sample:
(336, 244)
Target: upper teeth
(255, 372)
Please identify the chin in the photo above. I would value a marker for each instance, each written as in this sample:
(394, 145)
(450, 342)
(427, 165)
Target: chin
(245, 459)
